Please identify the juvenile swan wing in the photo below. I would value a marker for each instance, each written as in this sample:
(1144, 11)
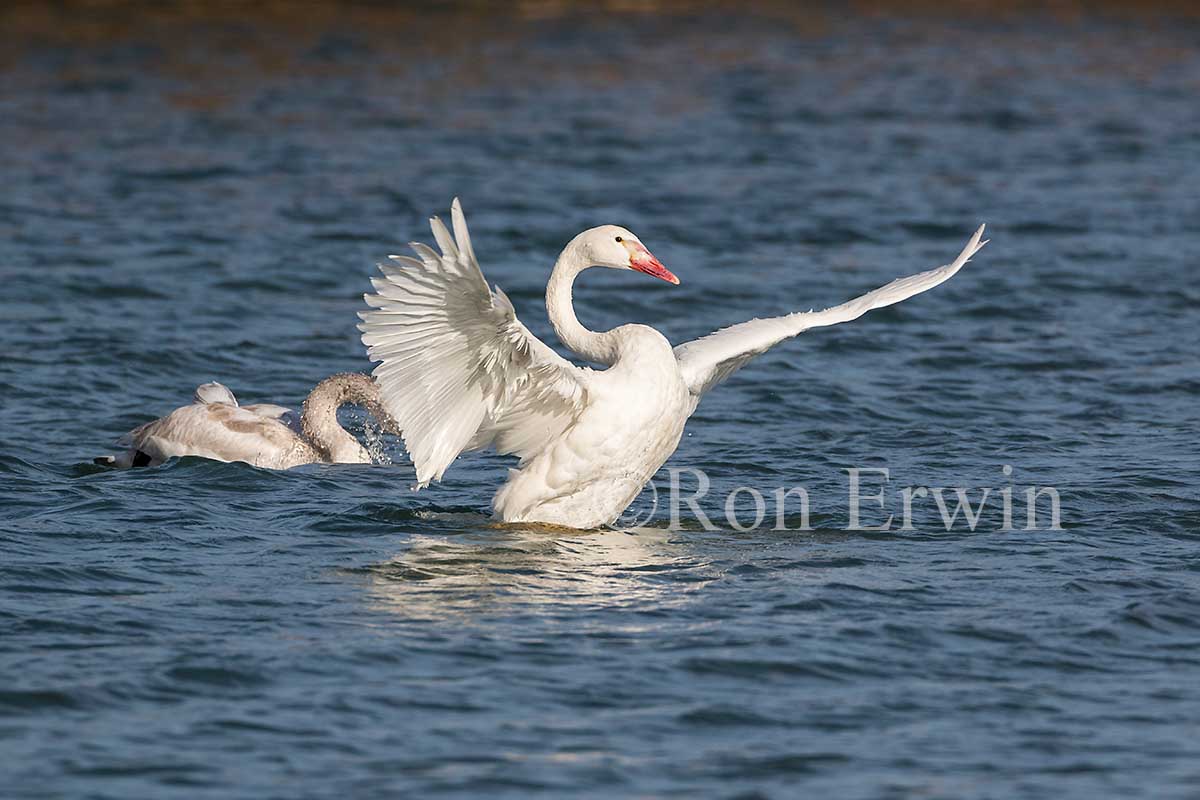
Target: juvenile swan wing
(707, 361)
(457, 369)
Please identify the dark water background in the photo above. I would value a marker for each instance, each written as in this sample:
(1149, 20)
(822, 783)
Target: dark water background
(193, 195)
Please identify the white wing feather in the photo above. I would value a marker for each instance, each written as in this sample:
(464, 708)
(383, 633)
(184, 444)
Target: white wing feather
(707, 361)
(458, 371)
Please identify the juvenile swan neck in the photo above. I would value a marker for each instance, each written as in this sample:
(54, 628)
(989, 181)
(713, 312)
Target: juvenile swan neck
(319, 418)
(590, 345)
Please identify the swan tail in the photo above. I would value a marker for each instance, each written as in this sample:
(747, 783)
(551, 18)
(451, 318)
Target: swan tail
(132, 458)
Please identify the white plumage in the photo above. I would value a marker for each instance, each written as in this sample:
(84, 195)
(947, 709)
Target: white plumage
(459, 368)
(458, 371)
(707, 361)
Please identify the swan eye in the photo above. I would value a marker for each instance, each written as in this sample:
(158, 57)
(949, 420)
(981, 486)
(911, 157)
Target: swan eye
(619, 239)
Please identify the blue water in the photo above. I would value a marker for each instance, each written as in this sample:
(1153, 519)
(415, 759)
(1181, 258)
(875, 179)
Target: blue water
(191, 197)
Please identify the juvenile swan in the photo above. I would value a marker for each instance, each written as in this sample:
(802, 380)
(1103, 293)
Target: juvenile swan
(458, 371)
(215, 426)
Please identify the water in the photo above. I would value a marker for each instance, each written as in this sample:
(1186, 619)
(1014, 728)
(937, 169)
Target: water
(191, 197)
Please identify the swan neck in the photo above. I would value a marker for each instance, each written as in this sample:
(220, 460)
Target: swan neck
(319, 419)
(593, 346)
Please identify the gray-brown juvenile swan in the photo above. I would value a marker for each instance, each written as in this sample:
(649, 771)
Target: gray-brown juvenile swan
(265, 435)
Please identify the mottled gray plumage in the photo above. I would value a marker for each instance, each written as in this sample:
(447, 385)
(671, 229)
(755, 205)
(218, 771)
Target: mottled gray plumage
(265, 435)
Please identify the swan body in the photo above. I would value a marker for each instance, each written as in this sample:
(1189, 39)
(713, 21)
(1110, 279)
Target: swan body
(265, 435)
(458, 371)
(630, 425)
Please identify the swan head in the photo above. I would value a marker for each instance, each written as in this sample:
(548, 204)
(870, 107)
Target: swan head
(617, 248)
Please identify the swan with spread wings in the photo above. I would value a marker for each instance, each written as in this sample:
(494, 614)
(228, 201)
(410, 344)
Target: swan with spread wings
(458, 371)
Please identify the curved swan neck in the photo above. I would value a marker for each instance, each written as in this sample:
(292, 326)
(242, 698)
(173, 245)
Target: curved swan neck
(319, 419)
(597, 347)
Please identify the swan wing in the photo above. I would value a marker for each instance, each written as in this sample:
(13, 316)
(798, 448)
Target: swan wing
(282, 414)
(707, 361)
(214, 393)
(458, 371)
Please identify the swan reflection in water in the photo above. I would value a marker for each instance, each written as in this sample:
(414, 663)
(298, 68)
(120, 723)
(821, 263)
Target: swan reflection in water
(476, 569)
(489, 566)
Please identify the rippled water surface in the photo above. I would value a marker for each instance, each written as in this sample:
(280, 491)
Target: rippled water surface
(190, 197)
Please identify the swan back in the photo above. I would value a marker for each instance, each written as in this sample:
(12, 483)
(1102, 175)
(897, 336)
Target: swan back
(219, 431)
(279, 413)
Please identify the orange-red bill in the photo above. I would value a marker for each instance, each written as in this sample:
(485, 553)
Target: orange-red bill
(644, 261)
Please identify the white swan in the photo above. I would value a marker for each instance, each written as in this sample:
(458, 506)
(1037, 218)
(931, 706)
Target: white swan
(265, 435)
(458, 371)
